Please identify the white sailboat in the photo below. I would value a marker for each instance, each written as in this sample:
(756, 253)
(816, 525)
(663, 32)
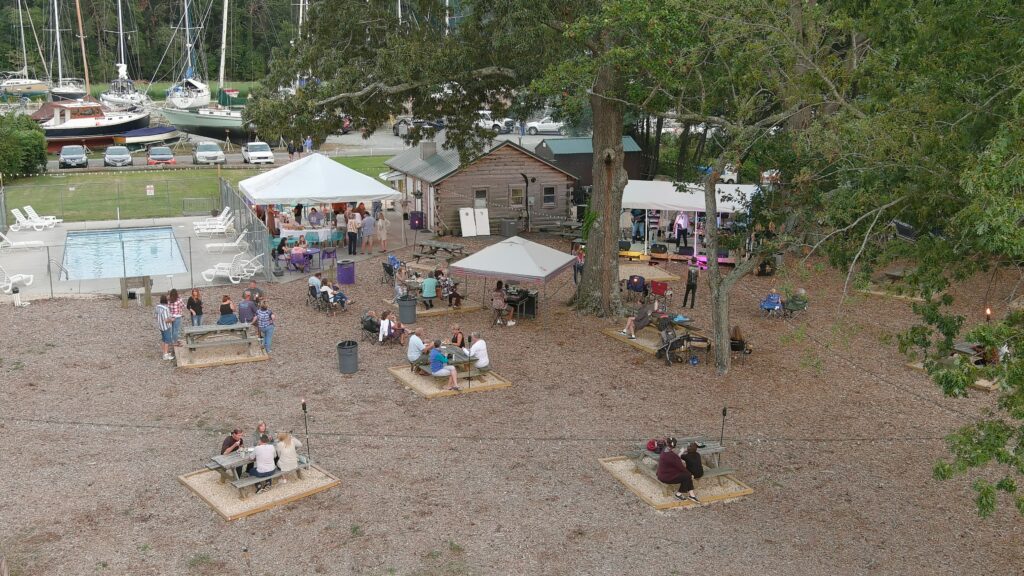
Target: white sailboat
(190, 92)
(19, 82)
(122, 92)
(63, 88)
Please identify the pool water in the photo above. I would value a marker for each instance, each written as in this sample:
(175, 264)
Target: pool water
(92, 254)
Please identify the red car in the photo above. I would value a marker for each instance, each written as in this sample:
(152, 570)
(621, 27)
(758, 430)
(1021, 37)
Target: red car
(160, 155)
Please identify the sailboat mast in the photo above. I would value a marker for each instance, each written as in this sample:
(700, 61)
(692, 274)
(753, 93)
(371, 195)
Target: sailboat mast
(24, 52)
(120, 36)
(56, 32)
(188, 44)
(81, 42)
(223, 45)
(302, 6)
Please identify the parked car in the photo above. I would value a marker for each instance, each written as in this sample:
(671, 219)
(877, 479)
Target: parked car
(545, 125)
(160, 155)
(416, 123)
(208, 153)
(117, 156)
(72, 157)
(257, 153)
(729, 174)
(499, 125)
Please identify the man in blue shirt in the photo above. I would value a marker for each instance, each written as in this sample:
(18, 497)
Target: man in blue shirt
(439, 366)
(315, 282)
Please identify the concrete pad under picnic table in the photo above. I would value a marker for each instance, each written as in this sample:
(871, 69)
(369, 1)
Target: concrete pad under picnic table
(725, 488)
(225, 500)
(441, 309)
(222, 355)
(648, 339)
(433, 387)
(649, 273)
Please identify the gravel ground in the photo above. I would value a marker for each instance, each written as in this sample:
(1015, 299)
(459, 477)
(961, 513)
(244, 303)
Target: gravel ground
(836, 436)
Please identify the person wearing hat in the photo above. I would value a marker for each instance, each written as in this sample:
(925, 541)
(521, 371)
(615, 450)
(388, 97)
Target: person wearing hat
(672, 470)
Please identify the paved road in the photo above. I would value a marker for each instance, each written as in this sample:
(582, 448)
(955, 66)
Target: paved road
(380, 143)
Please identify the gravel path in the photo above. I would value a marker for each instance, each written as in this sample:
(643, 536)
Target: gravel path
(836, 436)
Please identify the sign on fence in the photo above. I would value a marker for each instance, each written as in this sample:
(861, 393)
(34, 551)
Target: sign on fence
(150, 190)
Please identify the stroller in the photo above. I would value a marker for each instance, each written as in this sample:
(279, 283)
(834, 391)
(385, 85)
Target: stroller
(672, 345)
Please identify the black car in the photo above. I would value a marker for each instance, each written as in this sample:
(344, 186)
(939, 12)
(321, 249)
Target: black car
(72, 157)
(417, 124)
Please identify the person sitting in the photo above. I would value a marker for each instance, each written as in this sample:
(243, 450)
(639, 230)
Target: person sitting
(772, 303)
(795, 303)
(246, 309)
(458, 338)
(428, 290)
(335, 296)
(500, 307)
(390, 329)
(316, 281)
(693, 460)
(439, 366)
(737, 343)
(449, 289)
(287, 453)
(478, 350)
(314, 218)
(672, 470)
(302, 243)
(282, 248)
(261, 430)
(417, 352)
(265, 454)
(640, 321)
(233, 443)
(227, 312)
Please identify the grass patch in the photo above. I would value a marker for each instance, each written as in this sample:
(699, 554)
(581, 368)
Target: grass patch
(78, 197)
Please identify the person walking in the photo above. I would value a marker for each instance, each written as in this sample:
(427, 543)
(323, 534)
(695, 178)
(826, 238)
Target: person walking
(264, 320)
(195, 307)
(164, 323)
(369, 231)
(352, 226)
(177, 308)
(291, 150)
(382, 231)
(307, 144)
(691, 286)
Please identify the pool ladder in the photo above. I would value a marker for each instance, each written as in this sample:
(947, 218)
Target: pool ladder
(60, 269)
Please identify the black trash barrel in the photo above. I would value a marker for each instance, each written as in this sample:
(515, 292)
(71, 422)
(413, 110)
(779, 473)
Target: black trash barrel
(348, 357)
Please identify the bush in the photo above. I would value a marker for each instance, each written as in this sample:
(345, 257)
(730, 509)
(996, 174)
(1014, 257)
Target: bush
(22, 145)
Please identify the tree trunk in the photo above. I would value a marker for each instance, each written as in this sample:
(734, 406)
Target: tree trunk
(699, 152)
(656, 156)
(684, 152)
(599, 288)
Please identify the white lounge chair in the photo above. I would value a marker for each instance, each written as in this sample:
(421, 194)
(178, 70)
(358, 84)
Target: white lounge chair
(239, 244)
(6, 242)
(219, 229)
(33, 215)
(252, 266)
(7, 281)
(233, 270)
(218, 219)
(29, 224)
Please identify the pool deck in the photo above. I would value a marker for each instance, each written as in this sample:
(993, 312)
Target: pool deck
(193, 252)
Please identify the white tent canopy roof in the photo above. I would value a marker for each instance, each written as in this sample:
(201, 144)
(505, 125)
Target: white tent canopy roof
(515, 259)
(659, 195)
(315, 179)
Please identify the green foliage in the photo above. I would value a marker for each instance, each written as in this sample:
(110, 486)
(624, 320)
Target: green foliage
(22, 145)
(986, 499)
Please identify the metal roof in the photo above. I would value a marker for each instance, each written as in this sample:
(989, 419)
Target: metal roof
(584, 145)
(432, 169)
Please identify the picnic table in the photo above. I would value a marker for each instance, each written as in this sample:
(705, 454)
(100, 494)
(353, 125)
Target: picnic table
(706, 448)
(432, 247)
(227, 464)
(463, 362)
(217, 335)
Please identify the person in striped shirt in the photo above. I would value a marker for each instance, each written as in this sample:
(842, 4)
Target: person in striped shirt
(165, 323)
(264, 320)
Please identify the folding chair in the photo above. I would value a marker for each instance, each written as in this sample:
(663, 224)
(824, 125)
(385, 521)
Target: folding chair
(662, 293)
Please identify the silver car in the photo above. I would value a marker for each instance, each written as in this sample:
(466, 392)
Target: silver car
(117, 156)
(208, 153)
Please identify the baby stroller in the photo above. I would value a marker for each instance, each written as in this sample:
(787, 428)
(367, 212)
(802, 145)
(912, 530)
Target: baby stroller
(672, 345)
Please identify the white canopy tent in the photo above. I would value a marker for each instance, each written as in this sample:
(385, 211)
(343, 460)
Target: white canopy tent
(315, 179)
(515, 259)
(662, 195)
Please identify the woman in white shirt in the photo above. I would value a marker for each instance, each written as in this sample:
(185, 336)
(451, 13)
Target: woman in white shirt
(287, 454)
(478, 349)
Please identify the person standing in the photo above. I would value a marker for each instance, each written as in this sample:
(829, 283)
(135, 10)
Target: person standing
(352, 226)
(195, 307)
(577, 265)
(246, 309)
(165, 323)
(638, 223)
(297, 212)
(307, 144)
(681, 227)
(264, 320)
(691, 285)
(177, 308)
(291, 150)
(382, 231)
(368, 228)
(654, 224)
(254, 291)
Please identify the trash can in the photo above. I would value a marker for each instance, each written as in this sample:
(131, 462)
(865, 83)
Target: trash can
(348, 357)
(508, 228)
(346, 272)
(407, 309)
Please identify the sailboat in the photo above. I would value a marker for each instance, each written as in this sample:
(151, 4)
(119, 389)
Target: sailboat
(122, 92)
(190, 92)
(19, 82)
(221, 122)
(63, 88)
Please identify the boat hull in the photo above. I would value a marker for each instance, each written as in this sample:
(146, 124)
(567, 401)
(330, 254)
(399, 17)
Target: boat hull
(210, 124)
(98, 135)
(67, 94)
(26, 88)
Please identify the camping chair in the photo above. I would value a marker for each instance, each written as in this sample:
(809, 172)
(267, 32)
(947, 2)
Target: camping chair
(671, 343)
(388, 277)
(313, 296)
(772, 304)
(661, 293)
(793, 306)
(636, 287)
(367, 331)
(740, 348)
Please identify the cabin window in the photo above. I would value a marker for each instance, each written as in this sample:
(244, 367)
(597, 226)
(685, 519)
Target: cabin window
(480, 198)
(516, 197)
(549, 196)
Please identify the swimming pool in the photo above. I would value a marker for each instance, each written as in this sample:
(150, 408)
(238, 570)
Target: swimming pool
(92, 254)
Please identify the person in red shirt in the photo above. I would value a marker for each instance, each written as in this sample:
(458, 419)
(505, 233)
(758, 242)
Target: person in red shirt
(672, 470)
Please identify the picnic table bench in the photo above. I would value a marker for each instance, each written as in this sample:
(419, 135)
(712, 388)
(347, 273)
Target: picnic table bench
(646, 461)
(217, 335)
(462, 362)
(228, 464)
(432, 247)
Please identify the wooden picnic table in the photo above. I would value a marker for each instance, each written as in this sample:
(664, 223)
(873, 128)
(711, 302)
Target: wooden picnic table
(227, 464)
(432, 247)
(710, 448)
(462, 361)
(216, 335)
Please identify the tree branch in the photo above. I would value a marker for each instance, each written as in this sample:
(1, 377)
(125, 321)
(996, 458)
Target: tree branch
(876, 211)
(382, 88)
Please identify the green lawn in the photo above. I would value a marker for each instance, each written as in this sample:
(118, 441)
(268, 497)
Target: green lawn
(98, 196)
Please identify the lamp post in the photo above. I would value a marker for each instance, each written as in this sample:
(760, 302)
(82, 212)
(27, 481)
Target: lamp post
(305, 420)
(988, 314)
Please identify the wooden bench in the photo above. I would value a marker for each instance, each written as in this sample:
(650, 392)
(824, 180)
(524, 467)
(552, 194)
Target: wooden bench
(243, 484)
(649, 468)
